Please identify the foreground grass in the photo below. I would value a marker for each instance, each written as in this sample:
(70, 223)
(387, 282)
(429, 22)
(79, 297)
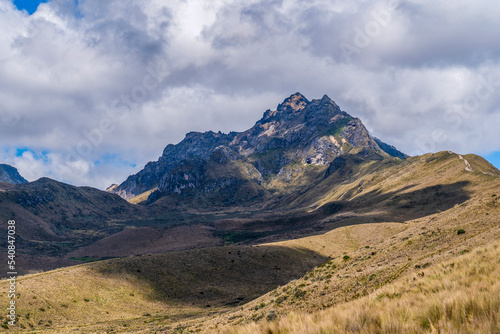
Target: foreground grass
(151, 292)
(459, 296)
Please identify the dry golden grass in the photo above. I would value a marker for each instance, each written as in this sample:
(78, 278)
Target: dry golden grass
(345, 239)
(458, 296)
(142, 197)
(415, 173)
(155, 290)
(78, 297)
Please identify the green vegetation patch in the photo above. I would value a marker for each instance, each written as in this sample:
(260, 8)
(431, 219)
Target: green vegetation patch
(336, 128)
(233, 237)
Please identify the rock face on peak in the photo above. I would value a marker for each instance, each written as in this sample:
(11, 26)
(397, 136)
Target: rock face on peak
(10, 174)
(298, 137)
(194, 149)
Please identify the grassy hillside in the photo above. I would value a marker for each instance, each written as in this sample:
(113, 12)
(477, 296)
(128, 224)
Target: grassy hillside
(396, 247)
(60, 223)
(366, 270)
(461, 295)
(175, 287)
(359, 192)
(161, 288)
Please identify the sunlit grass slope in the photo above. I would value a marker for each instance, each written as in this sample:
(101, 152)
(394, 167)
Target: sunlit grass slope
(461, 295)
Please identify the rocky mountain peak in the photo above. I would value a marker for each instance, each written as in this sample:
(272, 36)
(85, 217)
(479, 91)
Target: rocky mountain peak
(297, 109)
(277, 149)
(289, 108)
(327, 100)
(325, 107)
(294, 103)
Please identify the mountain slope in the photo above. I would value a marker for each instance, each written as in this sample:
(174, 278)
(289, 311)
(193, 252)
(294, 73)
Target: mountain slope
(98, 297)
(371, 259)
(354, 191)
(414, 264)
(248, 167)
(10, 174)
(62, 225)
(55, 218)
(458, 295)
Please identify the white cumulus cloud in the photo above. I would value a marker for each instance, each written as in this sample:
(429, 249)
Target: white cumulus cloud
(95, 89)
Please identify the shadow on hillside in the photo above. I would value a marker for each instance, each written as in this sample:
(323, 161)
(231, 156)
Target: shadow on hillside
(393, 206)
(214, 276)
(404, 205)
(372, 207)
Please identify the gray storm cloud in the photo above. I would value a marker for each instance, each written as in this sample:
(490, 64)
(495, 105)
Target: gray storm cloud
(93, 91)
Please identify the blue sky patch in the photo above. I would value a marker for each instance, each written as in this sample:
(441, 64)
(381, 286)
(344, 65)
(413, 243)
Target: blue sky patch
(42, 155)
(493, 158)
(114, 159)
(29, 5)
(21, 150)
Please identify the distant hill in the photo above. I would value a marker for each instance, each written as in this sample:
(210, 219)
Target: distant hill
(54, 218)
(10, 174)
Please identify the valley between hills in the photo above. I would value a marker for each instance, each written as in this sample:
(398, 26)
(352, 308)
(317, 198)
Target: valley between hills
(305, 223)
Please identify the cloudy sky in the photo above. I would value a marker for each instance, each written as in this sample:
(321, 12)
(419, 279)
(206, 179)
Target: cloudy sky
(91, 90)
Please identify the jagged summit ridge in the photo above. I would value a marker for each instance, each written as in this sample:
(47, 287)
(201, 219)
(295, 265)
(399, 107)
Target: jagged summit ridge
(250, 164)
(295, 102)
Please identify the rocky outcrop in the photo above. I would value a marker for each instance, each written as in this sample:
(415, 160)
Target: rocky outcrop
(278, 147)
(10, 174)
(195, 146)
